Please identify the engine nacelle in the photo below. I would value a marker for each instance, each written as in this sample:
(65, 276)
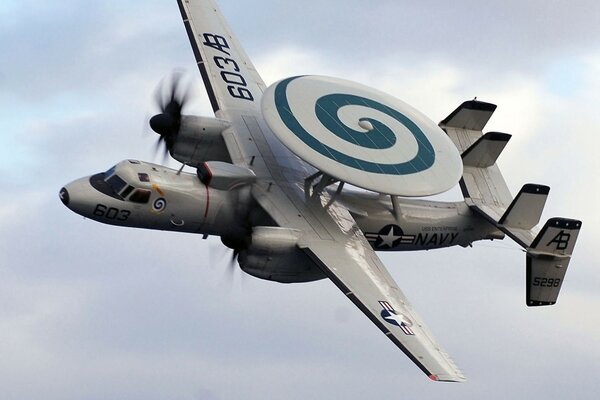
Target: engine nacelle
(200, 139)
(273, 254)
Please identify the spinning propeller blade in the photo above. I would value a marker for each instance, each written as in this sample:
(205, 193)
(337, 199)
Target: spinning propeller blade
(170, 97)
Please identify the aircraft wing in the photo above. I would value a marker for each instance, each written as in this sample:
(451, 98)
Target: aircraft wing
(229, 76)
(330, 234)
(357, 271)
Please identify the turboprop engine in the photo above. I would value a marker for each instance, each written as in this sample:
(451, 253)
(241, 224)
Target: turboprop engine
(273, 254)
(189, 139)
(199, 138)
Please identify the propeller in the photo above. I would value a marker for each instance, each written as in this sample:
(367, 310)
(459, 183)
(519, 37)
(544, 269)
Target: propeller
(231, 267)
(170, 97)
(219, 255)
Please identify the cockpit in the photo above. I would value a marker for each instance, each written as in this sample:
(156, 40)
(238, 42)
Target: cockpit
(121, 183)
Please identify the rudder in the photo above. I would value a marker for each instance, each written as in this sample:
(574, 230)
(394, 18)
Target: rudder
(547, 260)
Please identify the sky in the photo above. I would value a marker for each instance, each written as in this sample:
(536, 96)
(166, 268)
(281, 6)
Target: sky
(90, 311)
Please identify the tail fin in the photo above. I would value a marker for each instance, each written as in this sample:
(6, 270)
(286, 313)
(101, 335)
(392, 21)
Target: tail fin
(483, 185)
(526, 209)
(485, 151)
(486, 193)
(548, 259)
(470, 115)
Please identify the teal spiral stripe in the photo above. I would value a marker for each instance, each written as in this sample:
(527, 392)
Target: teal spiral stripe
(381, 137)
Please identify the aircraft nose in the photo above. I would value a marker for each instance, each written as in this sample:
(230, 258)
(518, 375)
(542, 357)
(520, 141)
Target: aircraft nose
(64, 196)
(76, 195)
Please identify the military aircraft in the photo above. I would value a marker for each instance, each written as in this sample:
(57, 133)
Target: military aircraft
(271, 170)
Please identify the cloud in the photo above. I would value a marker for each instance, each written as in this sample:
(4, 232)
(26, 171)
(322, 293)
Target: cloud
(141, 314)
(499, 35)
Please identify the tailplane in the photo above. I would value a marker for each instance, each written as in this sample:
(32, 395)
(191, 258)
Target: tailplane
(486, 193)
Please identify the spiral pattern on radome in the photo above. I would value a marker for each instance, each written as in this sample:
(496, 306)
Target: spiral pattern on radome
(361, 136)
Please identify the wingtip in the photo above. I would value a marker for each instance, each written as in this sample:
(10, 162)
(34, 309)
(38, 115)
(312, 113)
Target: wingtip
(455, 379)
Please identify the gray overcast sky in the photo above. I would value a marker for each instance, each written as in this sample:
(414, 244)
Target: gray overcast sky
(89, 311)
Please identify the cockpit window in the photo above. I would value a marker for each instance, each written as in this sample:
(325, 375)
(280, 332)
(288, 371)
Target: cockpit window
(111, 184)
(127, 190)
(110, 171)
(116, 183)
(140, 196)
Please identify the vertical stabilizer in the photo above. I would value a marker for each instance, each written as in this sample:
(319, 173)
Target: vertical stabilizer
(548, 259)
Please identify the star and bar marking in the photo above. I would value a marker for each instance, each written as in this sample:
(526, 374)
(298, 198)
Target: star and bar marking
(391, 316)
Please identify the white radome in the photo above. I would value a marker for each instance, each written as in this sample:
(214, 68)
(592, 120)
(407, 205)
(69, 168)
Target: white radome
(334, 124)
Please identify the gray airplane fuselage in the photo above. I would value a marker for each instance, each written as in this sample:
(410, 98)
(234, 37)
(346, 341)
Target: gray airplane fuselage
(144, 195)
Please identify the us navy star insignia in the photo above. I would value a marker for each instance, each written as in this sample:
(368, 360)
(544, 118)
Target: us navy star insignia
(388, 237)
(393, 317)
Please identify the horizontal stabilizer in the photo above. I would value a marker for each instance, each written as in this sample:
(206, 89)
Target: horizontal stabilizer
(548, 259)
(526, 209)
(471, 115)
(485, 151)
